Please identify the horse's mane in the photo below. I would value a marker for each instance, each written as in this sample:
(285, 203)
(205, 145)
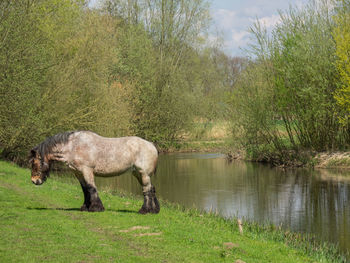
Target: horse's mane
(46, 146)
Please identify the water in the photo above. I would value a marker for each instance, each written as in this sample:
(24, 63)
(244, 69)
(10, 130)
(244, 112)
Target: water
(316, 202)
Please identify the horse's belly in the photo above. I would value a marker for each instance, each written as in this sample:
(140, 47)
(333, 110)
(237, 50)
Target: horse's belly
(109, 174)
(109, 171)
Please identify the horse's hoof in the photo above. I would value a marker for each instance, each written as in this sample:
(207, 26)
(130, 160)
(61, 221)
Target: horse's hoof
(155, 211)
(155, 206)
(150, 205)
(83, 208)
(96, 208)
(143, 211)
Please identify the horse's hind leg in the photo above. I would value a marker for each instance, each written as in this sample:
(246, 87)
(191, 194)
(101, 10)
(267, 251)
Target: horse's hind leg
(150, 203)
(92, 201)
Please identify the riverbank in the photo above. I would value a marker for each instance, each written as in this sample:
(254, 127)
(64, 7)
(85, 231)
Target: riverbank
(216, 137)
(337, 160)
(44, 224)
(318, 160)
(321, 160)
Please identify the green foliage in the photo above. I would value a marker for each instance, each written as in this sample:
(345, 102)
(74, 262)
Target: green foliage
(159, 59)
(341, 34)
(55, 61)
(27, 59)
(292, 81)
(119, 70)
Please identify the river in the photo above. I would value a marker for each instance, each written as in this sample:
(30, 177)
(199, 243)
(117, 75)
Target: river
(302, 200)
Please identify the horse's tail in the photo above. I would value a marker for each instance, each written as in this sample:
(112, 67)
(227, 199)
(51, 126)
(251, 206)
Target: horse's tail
(155, 170)
(156, 160)
(155, 165)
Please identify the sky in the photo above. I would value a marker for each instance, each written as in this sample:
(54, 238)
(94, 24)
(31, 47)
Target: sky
(233, 18)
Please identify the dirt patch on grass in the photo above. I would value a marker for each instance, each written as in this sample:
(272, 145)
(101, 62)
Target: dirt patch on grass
(230, 245)
(134, 228)
(148, 234)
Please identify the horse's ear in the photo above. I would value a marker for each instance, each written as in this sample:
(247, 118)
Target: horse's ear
(32, 154)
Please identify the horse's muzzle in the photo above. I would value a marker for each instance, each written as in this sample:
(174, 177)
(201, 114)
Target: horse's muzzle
(37, 181)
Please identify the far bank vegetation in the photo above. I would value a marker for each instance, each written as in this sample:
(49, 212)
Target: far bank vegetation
(292, 99)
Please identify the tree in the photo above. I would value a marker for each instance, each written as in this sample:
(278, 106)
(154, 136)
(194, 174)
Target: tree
(284, 100)
(158, 47)
(54, 66)
(341, 34)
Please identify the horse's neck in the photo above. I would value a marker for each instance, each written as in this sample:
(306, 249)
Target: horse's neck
(57, 153)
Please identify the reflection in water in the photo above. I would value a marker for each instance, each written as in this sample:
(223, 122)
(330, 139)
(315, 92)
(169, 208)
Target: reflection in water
(316, 202)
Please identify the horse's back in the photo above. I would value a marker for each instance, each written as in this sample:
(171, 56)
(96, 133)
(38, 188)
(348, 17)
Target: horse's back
(113, 155)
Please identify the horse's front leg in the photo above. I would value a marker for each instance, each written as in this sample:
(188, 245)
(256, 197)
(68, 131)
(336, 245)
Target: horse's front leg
(150, 201)
(92, 201)
(82, 182)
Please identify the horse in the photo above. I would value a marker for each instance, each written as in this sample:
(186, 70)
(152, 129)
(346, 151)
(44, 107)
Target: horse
(89, 155)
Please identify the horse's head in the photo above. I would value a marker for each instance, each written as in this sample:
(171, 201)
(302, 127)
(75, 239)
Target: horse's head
(40, 167)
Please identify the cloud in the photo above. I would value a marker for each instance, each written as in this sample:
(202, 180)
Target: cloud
(225, 18)
(240, 37)
(252, 11)
(233, 27)
(269, 21)
(299, 4)
(234, 18)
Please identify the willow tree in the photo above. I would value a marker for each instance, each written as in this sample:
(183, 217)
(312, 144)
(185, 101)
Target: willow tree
(341, 34)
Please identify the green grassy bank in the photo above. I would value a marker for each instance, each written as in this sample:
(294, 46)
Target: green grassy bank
(216, 136)
(44, 224)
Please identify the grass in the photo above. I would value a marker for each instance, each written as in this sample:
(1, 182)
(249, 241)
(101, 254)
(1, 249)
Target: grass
(339, 163)
(205, 136)
(201, 146)
(44, 224)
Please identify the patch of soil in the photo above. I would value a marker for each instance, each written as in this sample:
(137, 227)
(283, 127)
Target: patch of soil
(230, 245)
(134, 228)
(148, 234)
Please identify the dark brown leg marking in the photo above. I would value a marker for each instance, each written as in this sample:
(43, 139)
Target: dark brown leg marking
(92, 201)
(86, 204)
(95, 201)
(150, 203)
